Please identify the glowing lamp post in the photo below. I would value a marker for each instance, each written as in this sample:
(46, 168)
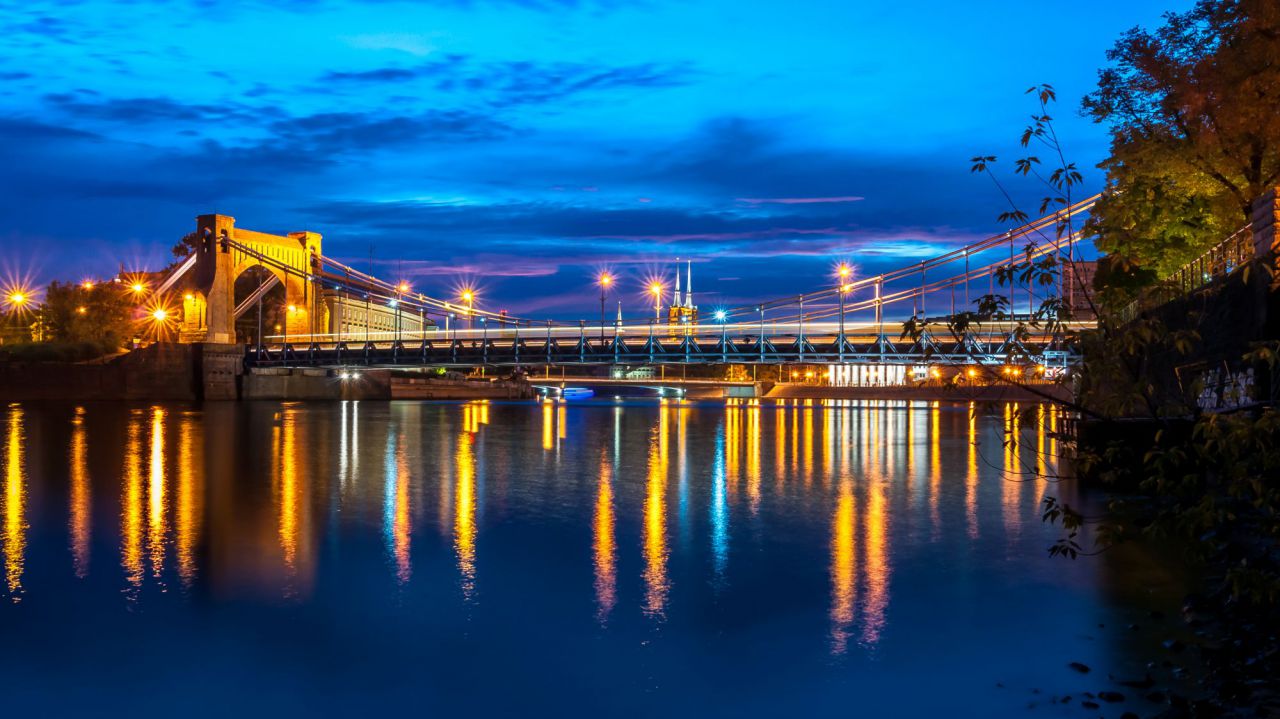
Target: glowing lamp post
(656, 289)
(721, 316)
(469, 297)
(402, 289)
(605, 281)
(843, 272)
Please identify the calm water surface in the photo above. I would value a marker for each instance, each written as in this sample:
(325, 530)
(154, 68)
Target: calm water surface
(534, 559)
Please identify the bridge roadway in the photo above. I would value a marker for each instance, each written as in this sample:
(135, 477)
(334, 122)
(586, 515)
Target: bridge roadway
(657, 344)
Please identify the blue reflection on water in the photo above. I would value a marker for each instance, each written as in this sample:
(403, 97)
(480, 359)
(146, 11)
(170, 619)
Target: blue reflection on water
(517, 559)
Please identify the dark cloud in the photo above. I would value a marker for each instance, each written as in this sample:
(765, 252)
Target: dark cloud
(506, 84)
(333, 133)
(80, 105)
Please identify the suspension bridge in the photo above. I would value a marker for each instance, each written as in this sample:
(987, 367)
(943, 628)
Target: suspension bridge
(339, 316)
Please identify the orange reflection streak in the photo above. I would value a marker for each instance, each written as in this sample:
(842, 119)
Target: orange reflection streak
(1010, 493)
(131, 508)
(795, 440)
(605, 545)
(1042, 461)
(829, 417)
(548, 426)
(287, 515)
(844, 589)
(561, 424)
(935, 467)
(655, 529)
(464, 515)
(190, 500)
(753, 456)
(872, 435)
(81, 502)
(15, 500)
(156, 499)
(971, 476)
(780, 443)
(808, 442)
(877, 564)
(1053, 432)
(731, 447)
(401, 525)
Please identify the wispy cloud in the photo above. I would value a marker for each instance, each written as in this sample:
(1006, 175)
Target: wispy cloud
(513, 83)
(799, 200)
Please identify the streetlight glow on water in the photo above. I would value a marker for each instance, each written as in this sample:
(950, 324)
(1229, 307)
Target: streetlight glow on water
(839, 534)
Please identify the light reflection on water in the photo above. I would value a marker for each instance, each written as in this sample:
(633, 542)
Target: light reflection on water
(850, 534)
(15, 498)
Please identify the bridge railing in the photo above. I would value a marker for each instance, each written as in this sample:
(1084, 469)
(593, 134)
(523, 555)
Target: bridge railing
(1218, 262)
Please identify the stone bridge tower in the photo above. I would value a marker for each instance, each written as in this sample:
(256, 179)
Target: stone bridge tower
(223, 253)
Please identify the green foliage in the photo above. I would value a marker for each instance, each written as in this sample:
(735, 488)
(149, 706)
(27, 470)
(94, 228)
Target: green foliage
(1195, 136)
(101, 316)
(57, 351)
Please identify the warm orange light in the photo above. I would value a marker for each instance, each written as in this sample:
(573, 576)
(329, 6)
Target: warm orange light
(934, 372)
(87, 284)
(81, 310)
(293, 309)
(404, 287)
(844, 270)
(606, 279)
(189, 297)
(972, 373)
(17, 298)
(138, 287)
(468, 296)
(656, 288)
(794, 374)
(160, 315)
(808, 374)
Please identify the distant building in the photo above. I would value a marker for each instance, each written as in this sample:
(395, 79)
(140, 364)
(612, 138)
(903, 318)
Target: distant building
(682, 310)
(1077, 288)
(642, 372)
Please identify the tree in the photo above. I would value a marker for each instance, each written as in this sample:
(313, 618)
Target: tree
(1194, 133)
(100, 315)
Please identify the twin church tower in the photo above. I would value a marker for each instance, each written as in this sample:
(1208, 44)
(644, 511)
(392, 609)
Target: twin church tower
(682, 309)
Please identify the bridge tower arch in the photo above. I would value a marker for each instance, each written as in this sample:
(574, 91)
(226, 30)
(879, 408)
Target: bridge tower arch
(224, 252)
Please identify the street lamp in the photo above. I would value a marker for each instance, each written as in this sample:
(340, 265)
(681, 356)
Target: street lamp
(469, 297)
(401, 290)
(843, 271)
(605, 281)
(656, 288)
(721, 316)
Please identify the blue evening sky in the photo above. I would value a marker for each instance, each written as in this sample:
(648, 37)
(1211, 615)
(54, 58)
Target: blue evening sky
(526, 144)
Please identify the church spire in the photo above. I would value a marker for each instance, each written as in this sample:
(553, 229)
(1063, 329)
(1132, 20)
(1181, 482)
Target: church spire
(688, 286)
(678, 299)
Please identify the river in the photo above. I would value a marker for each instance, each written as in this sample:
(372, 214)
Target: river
(621, 558)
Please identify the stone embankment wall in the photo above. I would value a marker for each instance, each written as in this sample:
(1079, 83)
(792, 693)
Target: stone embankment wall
(166, 371)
